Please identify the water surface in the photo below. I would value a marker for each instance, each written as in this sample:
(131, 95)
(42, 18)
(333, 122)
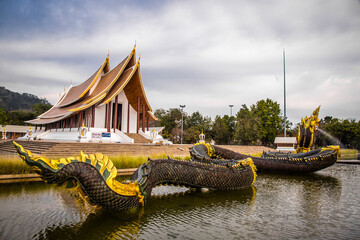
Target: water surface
(324, 205)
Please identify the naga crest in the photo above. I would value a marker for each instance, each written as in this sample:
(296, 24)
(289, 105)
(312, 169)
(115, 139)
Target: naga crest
(306, 131)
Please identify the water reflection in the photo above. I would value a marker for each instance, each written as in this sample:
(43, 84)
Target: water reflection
(320, 205)
(127, 225)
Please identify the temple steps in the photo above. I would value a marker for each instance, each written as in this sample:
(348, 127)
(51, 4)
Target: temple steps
(67, 149)
(137, 138)
(38, 147)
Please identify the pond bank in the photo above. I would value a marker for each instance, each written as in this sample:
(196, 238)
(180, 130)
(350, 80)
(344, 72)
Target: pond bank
(33, 177)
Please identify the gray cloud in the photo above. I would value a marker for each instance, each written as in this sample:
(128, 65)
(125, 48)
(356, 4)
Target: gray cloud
(205, 54)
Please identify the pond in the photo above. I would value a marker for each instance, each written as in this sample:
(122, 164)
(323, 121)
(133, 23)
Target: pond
(323, 205)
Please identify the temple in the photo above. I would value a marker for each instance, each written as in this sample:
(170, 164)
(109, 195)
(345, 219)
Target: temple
(108, 107)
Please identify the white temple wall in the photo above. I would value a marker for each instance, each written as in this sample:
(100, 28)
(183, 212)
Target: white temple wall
(133, 120)
(100, 116)
(101, 110)
(124, 116)
(123, 100)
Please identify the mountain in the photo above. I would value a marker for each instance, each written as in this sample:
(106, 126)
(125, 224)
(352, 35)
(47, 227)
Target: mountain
(14, 101)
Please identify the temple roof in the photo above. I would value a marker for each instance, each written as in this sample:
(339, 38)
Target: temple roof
(103, 86)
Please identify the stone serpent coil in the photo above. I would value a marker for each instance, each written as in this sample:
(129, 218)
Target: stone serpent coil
(93, 176)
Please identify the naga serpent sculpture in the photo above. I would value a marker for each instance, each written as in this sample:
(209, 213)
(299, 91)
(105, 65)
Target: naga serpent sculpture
(93, 176)
(304, 161)
(270, 162)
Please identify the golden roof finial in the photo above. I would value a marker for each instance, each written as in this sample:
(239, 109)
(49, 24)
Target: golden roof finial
(30, 127)
(133, 51)
(138, 62)
(83, 125)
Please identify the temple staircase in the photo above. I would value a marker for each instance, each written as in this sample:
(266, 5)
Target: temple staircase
(137, 138)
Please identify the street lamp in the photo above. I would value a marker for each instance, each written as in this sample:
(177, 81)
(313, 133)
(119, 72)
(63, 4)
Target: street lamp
(231, 109)
(182, 121)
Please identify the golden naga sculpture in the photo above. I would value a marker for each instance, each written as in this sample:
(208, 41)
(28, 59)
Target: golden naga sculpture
(307, 127)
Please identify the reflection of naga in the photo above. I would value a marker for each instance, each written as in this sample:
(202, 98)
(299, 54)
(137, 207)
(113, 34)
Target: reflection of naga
(307, 128)
(94, 177)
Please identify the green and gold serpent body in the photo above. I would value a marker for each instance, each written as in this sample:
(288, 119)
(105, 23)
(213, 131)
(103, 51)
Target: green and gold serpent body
(94, 177)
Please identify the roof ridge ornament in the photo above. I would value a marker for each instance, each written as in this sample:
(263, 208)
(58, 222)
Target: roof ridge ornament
(138, 61)
(133, 51)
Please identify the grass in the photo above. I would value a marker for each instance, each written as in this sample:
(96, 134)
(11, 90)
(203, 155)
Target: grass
(15, 165)
(349, 154)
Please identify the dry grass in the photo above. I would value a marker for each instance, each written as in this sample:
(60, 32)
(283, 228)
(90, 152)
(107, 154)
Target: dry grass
(349, 154)
(15, 165)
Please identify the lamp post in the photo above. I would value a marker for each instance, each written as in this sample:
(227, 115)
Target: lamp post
(231, 109)
(182, 121)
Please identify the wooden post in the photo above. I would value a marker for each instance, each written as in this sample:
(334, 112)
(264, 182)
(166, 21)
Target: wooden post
(80, 118)
(106, 110)
(115, 113)
(109, 117)
(143, 118)
(138, 116)
(71, 118)
(93, 116)
(128, 118)
(147, 123)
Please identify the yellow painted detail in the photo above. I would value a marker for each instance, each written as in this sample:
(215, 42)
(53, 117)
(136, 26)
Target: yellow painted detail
(247, 162)
(333, 148)
(87, 105)
(210, 149)
(114, 80)
(310, 123)
(96, 77)
(122, 87)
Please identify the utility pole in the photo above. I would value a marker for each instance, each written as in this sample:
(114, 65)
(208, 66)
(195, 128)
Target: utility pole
(284, 96)
(182, 122)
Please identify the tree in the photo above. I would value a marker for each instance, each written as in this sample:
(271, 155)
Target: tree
(3, 117)
(268, 113)
(191, 135)
(170, 119)
(247, 131)
(199, 123)
(334, 131)
(223, 129)
(40, 108)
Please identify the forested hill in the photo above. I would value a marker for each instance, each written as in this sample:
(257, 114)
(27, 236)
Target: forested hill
(14, 101)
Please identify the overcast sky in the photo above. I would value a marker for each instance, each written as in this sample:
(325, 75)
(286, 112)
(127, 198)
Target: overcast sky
(203, 54)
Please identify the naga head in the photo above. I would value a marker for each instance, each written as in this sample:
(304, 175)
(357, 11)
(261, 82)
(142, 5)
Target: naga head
(39, 163)
(308, 126)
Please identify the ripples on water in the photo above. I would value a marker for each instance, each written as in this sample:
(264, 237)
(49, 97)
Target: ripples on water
(322, 205)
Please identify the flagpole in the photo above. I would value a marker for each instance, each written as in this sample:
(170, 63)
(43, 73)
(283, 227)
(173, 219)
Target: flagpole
(284, 96)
